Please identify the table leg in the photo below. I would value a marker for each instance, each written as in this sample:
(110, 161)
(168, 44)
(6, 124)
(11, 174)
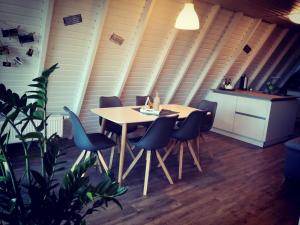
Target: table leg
(122, 152)
(102, 128)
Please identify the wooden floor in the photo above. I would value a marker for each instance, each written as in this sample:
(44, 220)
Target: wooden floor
(242, 184)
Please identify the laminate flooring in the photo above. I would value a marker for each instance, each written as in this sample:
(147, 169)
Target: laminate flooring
(241, 184)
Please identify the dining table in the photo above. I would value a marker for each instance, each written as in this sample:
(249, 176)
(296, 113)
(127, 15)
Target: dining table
(126, 115)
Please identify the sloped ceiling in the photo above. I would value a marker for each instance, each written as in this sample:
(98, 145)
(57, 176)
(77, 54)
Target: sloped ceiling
(182, 66)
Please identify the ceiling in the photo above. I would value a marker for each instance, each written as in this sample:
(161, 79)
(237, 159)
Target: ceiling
(272, 11)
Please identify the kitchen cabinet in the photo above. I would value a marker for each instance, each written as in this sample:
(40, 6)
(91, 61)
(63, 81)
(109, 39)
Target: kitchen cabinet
(256, 118)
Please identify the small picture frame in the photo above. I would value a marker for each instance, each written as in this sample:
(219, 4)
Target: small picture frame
(10, 32)
(27, 38)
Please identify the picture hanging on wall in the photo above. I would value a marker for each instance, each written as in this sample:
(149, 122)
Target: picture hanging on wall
(27, 38)
(70, 20)
(10, 32)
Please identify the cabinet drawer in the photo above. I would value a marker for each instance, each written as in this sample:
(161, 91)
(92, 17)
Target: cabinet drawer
(249, 126)
(225, 111)
(253, 107)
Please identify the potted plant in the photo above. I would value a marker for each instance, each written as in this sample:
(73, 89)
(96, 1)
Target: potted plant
(39, 197)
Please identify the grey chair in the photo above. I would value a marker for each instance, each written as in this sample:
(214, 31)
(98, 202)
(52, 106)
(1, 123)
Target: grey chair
(89, 143)
(189, 130)
(156, 137)
(140, 100)
(112, 129)
(211, 108)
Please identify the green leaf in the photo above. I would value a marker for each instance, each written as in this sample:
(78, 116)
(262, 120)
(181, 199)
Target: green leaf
(39, 115)
(38, 85)
(4, 125)
(89, 195)
(24, 126)
(38, 178)
(2, 158)
(40, 79)
(46, 73)
(36, 97)
(40, 127)
(31, 135)
(3, 178)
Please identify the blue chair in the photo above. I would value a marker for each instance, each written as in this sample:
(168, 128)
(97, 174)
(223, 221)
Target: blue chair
(156, 137)
(188, 131)
(208, 121)
(89, 143)
(292, 161)
(141, 100)
(111, 128)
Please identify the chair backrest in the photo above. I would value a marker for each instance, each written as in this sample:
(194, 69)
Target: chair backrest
(210, 107)
(190, 127)
(158, 134)
(140, 100)
(106, 102)
(80, 138)
(109, 101)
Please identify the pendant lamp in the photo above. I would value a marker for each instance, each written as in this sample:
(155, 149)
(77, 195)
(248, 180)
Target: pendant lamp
(187, 18)
(295, 17)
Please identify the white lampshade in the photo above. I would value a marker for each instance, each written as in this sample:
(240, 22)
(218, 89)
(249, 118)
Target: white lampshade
(187, 18)
(295, 17)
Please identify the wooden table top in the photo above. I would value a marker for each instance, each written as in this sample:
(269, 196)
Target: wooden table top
(127, 114)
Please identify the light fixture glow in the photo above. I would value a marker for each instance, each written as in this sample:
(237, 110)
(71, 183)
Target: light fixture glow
(187, 18)
(295, 17)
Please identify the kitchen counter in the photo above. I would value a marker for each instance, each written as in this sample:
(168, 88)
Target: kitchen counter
(254, 117)
(254, 94)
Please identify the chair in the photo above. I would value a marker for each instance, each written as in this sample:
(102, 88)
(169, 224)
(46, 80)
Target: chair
(206, 125)
(141, 100)
(156, 137)
(188, 131)
(112, 128)
(292, 161)
(89, 143)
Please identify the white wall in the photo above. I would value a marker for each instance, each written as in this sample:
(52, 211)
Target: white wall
(29, 16)
(160, 49)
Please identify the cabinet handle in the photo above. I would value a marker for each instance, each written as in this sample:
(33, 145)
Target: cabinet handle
(249, 115)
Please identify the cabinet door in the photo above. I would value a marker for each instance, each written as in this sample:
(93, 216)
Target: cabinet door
(249, 126)
(253, 106)
(225, 111)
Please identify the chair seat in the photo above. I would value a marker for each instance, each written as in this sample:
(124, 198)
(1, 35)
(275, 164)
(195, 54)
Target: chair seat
(117, 129)
(99, 142)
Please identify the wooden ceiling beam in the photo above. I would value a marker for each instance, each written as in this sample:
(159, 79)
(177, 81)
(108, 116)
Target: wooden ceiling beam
(135, 43)
(208, 65)
(295, 68)
(247, 36)
(254, 52)
(264, 60)
(272, 68)
(161, 61)
(45, 31)
(192, 52)
(91, 55)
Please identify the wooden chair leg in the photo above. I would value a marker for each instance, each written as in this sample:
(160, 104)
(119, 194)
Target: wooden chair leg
(209, 151)
(163, 166)
(103, 163)
(180, 161)
(194, 156)
(87, 155)
(169, 150)
(136, 159)
(129, 150)
(148, 162)
(99, 165)
(80, 157)
(111, 157)
(198, 147)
